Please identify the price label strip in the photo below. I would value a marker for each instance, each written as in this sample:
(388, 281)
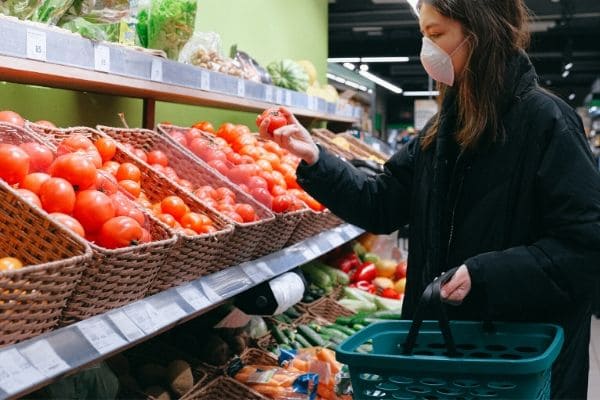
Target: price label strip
(335, 239)
(101, 335)
(102, 58)
(156, 71)
(279, 96)
(144, 316)
(42, 355)
(168, 314)
(204, 80)
(241, 88)
(288, 98)
(308, 253)
(193, 297)
(126, 326)
(36, 45)
(269, 93)
(228, 282)
(16, 373)
(257, 271)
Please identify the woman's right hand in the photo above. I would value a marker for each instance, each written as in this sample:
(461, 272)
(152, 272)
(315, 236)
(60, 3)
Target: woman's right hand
(293, 137)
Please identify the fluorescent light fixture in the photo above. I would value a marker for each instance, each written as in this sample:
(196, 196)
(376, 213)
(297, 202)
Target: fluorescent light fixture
(384, 59)
(346, 82)
(344, 59)
(364, 67)
(381, 82)
(367, 29)
(566, 73)
(568, 66)
(350, 66)
(418, 93)
(370, 91)
(387, 1)
(336, 78)
(572, 96)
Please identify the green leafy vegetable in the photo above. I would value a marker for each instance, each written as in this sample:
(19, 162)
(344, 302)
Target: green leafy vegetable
(170, 25)
(51, 11)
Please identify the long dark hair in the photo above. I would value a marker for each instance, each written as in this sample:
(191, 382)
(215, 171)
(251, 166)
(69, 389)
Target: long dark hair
(496, 30)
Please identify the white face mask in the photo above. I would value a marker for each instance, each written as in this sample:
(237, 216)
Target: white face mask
(437, 62)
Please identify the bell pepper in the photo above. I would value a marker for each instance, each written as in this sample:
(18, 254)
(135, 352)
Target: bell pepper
(366, 272)
(390, 293)
(348, 263)
(366, 286)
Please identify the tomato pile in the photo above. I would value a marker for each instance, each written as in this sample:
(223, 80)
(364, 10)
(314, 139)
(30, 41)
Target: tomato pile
(261, 168)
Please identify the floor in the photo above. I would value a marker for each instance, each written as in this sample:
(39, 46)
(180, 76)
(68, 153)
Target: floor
(594, 382)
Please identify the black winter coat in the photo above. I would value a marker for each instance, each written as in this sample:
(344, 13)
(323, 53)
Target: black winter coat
(522, 213)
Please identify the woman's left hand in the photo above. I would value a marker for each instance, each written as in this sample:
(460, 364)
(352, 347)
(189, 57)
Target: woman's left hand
(457, 288)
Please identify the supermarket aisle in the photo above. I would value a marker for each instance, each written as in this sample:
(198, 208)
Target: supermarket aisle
(594, 383)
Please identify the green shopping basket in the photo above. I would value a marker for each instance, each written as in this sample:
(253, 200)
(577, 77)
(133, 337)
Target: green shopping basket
(413, 360)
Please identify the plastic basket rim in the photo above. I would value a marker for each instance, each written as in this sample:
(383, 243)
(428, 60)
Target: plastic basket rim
(345, 351)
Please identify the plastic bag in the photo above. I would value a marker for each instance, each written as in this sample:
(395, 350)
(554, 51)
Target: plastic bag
(279, 383)
(252, 69)
(170, 25)
(316, 360)
(51, 11)
(22, 9)
(95, 31)
(204, 50)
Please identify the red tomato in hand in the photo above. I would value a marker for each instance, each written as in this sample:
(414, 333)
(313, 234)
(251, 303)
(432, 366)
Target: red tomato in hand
(12, 118)
(69, 222)
(40, 156)
(92, 209)
(277, 120)
(158, 157)
(57, 195)
(30, 197)
(107, 148)
(14, 163)
(75, 168)
(34, 181)
(120, 232)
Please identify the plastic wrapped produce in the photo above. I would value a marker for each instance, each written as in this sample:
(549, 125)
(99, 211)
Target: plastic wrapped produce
(170, 25)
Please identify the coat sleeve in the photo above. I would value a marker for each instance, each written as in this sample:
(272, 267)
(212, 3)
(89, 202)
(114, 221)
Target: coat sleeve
(377, 204)
(560, 267)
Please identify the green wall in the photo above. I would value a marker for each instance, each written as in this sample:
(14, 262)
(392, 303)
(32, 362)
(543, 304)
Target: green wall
(268, 30)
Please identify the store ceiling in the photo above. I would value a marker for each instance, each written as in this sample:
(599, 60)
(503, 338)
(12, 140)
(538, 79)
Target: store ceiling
(563, 31)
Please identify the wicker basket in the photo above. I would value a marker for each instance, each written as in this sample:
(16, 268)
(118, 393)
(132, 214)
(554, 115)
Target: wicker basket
(313, 223)
(357, 148)
(359, 144)
(254, 235)
(325, 141)
(285, 223)
(223, 388)
(32, 299)
(329, 310)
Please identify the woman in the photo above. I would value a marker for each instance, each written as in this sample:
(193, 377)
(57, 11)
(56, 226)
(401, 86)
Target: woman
(501, 182)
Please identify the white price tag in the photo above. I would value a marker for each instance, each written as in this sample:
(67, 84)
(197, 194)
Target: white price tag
(204, 80)
(45, 359)
(102, 58)
(144, 316)
(156, 72)
(279, 96)
(241, 88)
(257, 271)
(308, 253)
(269, 94)
(16, 373)
(335, 239)
(126, 326)
(210, 294)
(311, 103)
(36, 45)
(193, 297)
(101, 335)
(288, 98)
(169, 314)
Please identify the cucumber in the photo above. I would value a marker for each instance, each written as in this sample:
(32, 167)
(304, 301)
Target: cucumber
(280, 338)
(315, 327)
(292, 313)
(300, 339)
(317, 276)
(291, 335)
(358, 327)
(334, 333)
(344, 320)
(395, 315)
(296, 345)
(343, 329)
(311, 336)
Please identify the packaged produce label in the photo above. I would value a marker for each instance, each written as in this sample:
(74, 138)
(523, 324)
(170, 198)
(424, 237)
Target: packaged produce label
(16, 373)
(101, 335)
(42, 355)
(261, 376)
(126, 326)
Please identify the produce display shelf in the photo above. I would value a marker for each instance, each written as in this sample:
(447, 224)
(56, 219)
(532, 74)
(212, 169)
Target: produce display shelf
(34, 363)
(36, 54)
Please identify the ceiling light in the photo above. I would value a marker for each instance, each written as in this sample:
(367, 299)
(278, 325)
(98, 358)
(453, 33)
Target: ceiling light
(381, 82)
(418, 93)
(336, 78)
(344, 59)
(568, 66)
(350, 66)
(384, 59)
(565, 73)
(364, 67)
(572, 96)
(370, 91)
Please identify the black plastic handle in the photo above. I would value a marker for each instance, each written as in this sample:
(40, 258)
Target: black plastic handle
(432, 298)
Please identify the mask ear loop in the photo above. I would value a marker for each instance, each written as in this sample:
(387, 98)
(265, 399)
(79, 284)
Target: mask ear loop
(459, 46)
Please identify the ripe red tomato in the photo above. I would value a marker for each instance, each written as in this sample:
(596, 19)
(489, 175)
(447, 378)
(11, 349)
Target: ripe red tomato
(184, 183)
(30, 197)
(278, 190)
(205, 191)
(257, 181)
(204, 126)
(277, 120)
(12, 118)
(69, 222)
(40, 156)
(195, 221)
(279, 179)
(246, 211)
(92, 209)
(220, 166)
(189, 232)
(242, 173)
(75, 168)
(120, 232)
(227, 131)
(250, 151)
(129, 171)
(141, 154)
(244, 140)
(46, 124)
(179, 137)
(282, 203)
(206, 229)
(111, 166)
(106, 147)
(174, 205)
(14, 163)
(192, 134)
(233, 216)
(167, 219)
(263, 196)
(57, 195)
(34, 181)
(264, 165)
(234, 158)
(105, 182)
(273, 147)
(222, 193)
(131, 187)
(158, 157)
(125, 207)
(74, 143)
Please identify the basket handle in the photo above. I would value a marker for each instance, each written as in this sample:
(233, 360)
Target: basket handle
(432, 298)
